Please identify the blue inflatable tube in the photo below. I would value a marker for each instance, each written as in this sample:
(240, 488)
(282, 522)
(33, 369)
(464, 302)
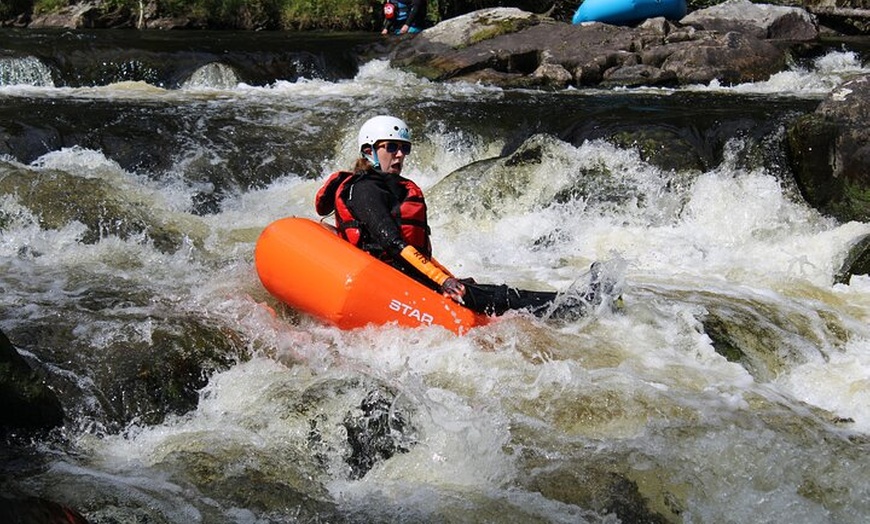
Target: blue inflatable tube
(628, 11)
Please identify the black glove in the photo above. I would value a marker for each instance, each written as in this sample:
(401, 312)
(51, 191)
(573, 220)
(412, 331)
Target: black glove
(453, 289)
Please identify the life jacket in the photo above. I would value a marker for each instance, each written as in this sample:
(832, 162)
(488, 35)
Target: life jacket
(396, 10)
(409, 214)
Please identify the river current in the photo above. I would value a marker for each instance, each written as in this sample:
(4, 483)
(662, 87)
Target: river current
(138, 170)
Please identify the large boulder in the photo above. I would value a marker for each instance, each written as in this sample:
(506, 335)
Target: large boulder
(463, 31)
(830, 150)
(510, 47)
(151, 367)
(762, 21)
(730, 58)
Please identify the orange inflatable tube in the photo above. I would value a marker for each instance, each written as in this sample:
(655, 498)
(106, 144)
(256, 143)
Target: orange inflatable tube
(310, 268)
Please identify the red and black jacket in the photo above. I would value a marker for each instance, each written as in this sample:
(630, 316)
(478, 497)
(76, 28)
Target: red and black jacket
(401, 203)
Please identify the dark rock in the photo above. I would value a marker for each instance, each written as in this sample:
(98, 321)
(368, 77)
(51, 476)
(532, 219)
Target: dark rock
(27, 402)
(499, 46)
(731, 58)
(829, 151)
(662, 148)
(492, 77)
(638, 75)
(857, 262)
(850, 17)
(552, 75)
(375, 433)
(128, 377)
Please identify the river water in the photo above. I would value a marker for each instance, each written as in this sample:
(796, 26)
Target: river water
(138, 169)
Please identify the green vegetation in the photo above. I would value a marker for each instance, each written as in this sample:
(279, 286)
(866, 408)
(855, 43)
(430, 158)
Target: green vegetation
(307, 14)
(270, 14)
(501, 28)
(226, 14)
(47, 6)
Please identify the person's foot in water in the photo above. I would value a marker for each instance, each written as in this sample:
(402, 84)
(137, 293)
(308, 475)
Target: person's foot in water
(602, 290)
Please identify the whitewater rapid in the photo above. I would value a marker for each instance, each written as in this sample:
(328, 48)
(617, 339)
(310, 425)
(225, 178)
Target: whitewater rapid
(506, 415)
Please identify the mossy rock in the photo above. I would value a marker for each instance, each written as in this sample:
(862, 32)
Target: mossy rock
(58, 199)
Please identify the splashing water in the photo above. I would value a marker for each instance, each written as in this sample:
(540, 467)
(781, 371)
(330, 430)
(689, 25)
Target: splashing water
(735, 368)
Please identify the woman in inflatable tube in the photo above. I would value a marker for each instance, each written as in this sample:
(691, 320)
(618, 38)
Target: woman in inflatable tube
(384, 214)
(404, 17)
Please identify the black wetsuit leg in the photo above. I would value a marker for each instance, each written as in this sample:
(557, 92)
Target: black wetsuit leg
(491, 299)
(494, 299)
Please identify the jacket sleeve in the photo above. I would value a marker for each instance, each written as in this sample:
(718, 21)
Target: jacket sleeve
(425, 265)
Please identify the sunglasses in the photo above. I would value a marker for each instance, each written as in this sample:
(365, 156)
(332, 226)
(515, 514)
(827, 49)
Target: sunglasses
(393, 147)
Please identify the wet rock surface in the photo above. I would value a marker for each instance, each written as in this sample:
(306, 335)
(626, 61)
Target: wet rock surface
(830, 152)
(27, 401)
(732, 43)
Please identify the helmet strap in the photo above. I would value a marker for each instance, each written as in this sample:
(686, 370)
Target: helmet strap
(373, 158)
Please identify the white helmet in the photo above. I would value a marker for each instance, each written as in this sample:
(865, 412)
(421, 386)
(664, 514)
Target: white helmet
(383, 127)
